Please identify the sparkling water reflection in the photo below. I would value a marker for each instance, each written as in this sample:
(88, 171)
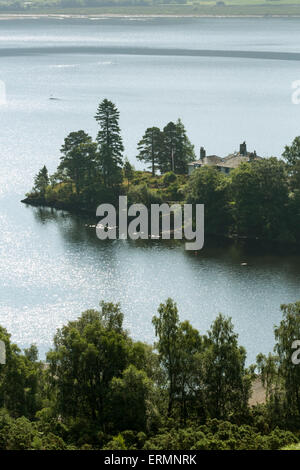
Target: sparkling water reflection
(52, 266)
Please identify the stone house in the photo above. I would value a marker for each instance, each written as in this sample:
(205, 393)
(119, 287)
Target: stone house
(223, 164)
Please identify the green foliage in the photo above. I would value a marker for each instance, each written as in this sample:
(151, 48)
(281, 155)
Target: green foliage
(260, 199)
(20, 379)
(117, 443)
(22, 434)
(166, 329)
(176, 150)
(128, 171)
(292, 447)
(285, 334)
(87, 354)
(110, 143)
(260, 194)
(227, 383)
(219, 435)
(150, 147)
(292, 153)
(78, 161)
(169, 178)
(102, 390)
(167, 150)
(206, 375)
(143, 195)
(210, 187)
(132, 401)
(41, 181)
(280, 374)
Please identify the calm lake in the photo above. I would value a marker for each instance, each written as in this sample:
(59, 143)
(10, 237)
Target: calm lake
(52, 267)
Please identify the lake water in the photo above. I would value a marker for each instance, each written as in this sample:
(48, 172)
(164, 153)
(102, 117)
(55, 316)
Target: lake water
(52, 266)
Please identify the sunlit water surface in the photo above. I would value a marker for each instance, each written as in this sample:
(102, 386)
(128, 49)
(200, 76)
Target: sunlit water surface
(52, 266)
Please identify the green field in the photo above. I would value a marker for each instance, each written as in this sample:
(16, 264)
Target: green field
(151, 7)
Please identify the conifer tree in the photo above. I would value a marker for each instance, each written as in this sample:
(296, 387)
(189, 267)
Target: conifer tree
(110, 143)
(78, 159)
(177, 150)
(41, 181)
(150, 147)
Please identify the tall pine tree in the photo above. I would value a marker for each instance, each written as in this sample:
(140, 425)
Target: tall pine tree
(177, 150)
(150, 147)
(110, 143)
(184, 149)
(167, 155)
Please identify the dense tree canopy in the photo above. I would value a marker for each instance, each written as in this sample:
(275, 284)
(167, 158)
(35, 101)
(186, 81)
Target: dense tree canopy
(99, 389)
(176, 150)
(78, 161)
(261, 198)
(88, 353)
(210, 187)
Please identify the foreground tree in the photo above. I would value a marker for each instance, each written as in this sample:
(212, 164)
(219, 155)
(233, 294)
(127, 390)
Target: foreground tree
(21, 379)
(225, 381)
(132, 401)
(287, 335)
(178, 345)
(87, 354)
(110, 143)
(190, 346)
(280, 372)
(166, 329)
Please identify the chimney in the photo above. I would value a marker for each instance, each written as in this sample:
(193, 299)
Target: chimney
(252, 156)
(202, 153)
(243, 149)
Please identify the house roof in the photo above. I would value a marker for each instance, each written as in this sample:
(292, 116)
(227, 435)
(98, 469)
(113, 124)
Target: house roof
(235, 159)
(208, 160)
(232, 160)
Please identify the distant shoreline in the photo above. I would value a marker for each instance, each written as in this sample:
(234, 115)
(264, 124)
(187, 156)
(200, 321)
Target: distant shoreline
(21, 16)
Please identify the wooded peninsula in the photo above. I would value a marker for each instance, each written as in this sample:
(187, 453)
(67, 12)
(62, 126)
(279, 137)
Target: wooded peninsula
(259, 199)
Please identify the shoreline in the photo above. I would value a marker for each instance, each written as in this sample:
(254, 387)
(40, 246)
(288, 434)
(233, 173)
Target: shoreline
(88, 213)
(72, 209)
(22, 16)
